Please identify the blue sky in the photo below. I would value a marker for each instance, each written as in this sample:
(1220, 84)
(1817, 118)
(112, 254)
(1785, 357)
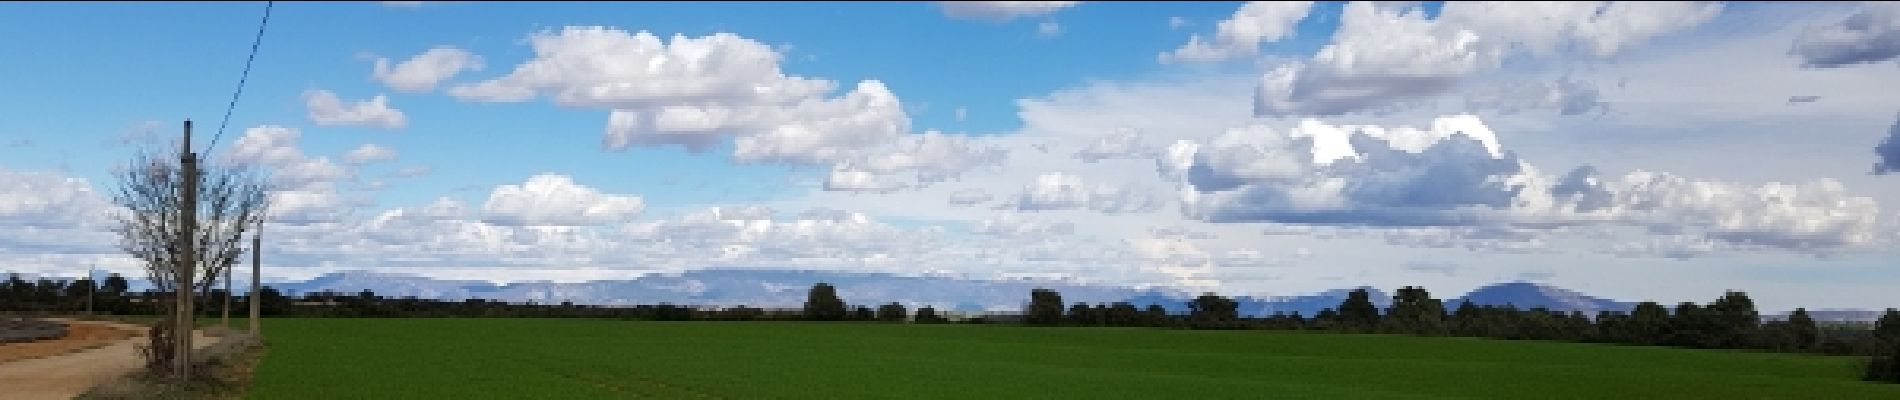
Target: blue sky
(1092, 141)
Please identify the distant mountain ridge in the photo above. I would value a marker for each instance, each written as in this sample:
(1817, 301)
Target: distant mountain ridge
(784, 288)
(787, 289)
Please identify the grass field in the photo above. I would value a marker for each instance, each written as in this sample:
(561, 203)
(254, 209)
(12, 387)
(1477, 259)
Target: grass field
(566, 358)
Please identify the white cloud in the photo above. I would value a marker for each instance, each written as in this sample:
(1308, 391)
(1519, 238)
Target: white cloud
(1241, 35)
(1064, 191)
(555, 200)
(422, 72)
(1567, 96)
(303, 188)
(307, 173)
(1386, 54)
(1001, 10)
(828, 130)
(970, 197)
(1176, 22)
(962, 113)
(1048, 29)
(328, 110)
(269, 145)
(369, 153)
(695, 92)
(611, 68)
(1455, 175)
(1019, 225)
(910, 162)
(1124, 143)
(48, 200)
(1870, 34)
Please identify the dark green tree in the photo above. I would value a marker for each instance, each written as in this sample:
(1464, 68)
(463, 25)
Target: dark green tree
(1803, 330)
(823, 304)
(1887, 329)
(1079, 315)
(1691, 326)
(1649, 323)
(1326, 319)
(1213, 311)
(1415, 311)
(1735, 322)
(1465, 321)
(1045, 308)
(928, 315)
(1154, 315)
(1123, 314)
(1357, 312)
(892, 313)
(113, 294)
(862, 313)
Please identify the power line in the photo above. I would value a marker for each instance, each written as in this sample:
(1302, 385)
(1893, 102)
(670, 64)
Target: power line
(242, 77)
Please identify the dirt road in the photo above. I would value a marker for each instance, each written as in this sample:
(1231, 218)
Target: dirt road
(64, 376)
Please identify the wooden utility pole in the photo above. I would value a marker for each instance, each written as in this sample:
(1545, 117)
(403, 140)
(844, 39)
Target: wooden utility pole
(257, 258)
(225, 320)
(92, 286)
(188, 257)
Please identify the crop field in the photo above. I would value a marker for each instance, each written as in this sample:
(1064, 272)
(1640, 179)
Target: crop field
(571, 358)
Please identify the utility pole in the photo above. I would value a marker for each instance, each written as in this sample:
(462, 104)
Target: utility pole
(92, 286)
(188, 257)
(225, 321)
(257, 257)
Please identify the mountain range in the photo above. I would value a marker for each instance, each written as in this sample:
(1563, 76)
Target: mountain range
(787, 289)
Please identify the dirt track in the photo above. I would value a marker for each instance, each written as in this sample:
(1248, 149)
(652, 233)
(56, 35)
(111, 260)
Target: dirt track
(67, 375)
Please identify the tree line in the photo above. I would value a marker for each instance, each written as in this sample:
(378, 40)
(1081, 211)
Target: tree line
(1729, 322)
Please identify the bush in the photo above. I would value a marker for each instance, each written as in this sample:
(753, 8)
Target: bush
(1883, 368)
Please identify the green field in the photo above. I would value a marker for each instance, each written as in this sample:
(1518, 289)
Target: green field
(570, 358)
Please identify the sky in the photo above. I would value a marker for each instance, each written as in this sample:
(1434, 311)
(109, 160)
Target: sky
(1662, 151)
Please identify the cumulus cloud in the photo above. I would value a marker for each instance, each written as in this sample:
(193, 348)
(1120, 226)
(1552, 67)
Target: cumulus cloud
(555, 200)
(695, 92)
(1383, 54)
(369, 153)
(303, 188)
(1241, 35)
(1566, 96)
(969, 197)
(424, 71)
(1455, 175)
(44, 200)
(328, 110)
(266, 145)
(48, 214)
(1888, 152)
(1015, 224)
(1124, 143)
(1870, 35)
(911, 161)
(1064, 191)
(1001, 10)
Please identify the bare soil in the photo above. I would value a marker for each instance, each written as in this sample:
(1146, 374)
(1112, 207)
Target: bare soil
(60, 369)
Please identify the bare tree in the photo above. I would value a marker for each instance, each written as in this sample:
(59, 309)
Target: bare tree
(231, 199)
